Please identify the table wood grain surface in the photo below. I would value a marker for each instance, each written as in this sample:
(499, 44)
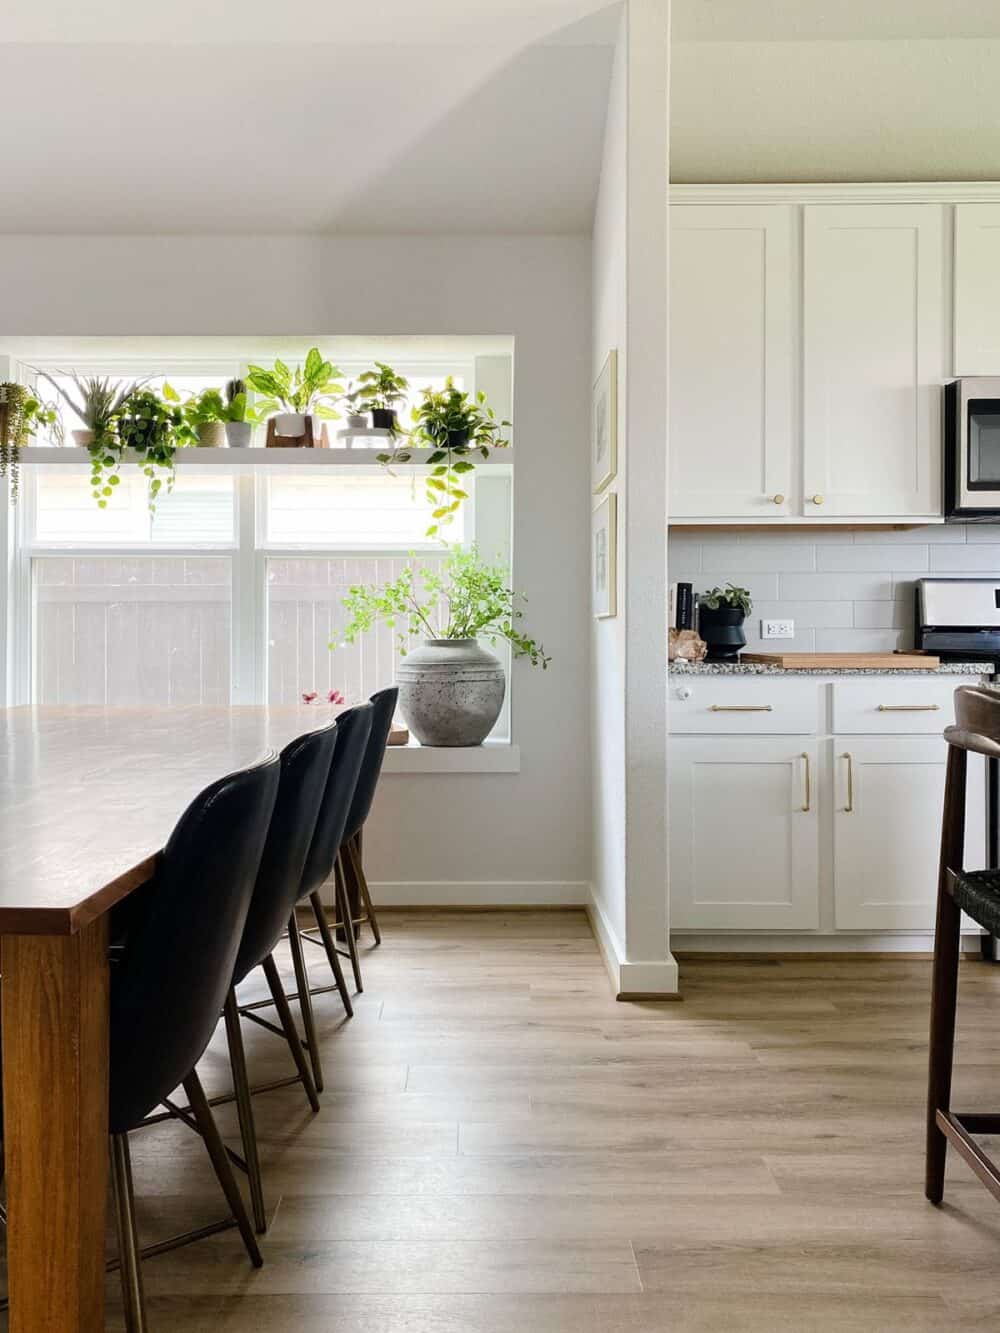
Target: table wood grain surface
(88, 795)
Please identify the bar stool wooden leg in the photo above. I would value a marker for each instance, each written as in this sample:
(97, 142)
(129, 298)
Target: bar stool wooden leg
(356, 863)
(133, 1300)
(290, 1030)
(944, 992)
(305, 1000)
(347, 919)
(330, 945)
(244, 1110)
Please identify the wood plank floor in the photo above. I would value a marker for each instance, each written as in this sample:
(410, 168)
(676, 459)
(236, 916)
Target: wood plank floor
(502, 1146)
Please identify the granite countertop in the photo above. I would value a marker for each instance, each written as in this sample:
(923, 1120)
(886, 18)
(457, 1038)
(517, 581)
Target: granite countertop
(766, 669)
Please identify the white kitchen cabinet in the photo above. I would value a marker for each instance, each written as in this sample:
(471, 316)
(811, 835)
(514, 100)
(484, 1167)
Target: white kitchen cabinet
(732, 355)
(977, 289)
(887, 830)
(744, 850)
(873, 321)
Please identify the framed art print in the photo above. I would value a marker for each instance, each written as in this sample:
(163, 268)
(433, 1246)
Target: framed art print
(604, 557)
(604, 426)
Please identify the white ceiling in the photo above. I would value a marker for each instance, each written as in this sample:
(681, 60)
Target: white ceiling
(445, 115)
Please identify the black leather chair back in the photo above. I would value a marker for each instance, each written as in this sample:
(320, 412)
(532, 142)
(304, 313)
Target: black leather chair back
(353, 730)
(305, 768)
(176, 966)
(384, 707)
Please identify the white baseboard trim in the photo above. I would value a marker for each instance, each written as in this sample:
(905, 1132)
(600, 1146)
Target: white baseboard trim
(480, 893)
(629, 980)
(914, 942)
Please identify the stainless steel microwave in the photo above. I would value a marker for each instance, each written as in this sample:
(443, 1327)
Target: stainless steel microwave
(972, 450)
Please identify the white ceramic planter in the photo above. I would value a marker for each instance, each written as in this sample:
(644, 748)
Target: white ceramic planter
(290, 423)
(450, 692)
(238, 434)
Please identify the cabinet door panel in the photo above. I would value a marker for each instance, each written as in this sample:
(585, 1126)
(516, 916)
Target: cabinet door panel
(743, 849)
(886, 848)
(977, 289)
(731, 350)
(872, 359)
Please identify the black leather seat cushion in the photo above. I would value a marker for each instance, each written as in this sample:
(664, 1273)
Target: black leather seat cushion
(977, 892)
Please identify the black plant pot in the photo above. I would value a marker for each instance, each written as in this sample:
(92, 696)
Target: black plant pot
(722, 630)
(457, 438)
(384, 418)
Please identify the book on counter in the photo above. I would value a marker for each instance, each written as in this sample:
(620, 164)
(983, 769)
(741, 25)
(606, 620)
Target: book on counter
(682, 606)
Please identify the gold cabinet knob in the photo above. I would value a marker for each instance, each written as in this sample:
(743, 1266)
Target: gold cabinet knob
(817, 499)
(778, 499)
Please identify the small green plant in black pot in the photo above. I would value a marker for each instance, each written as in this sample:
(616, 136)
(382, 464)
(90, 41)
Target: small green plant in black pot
(380, 390)
(721, 615)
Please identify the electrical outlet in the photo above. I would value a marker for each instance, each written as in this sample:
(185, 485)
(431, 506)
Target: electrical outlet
(777, 629)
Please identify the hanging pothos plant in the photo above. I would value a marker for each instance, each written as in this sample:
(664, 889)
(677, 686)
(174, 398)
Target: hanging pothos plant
(453, 425)
(153, 426)
(22, 415)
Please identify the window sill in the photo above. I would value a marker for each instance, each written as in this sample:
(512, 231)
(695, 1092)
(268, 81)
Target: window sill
(491, 757)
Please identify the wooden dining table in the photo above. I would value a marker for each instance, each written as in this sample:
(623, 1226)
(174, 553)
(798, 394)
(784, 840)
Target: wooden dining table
(88, 796)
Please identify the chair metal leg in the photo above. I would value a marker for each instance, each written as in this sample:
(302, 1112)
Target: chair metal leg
(290, 1030)
(944, 989)
(356, 863)
(347, 920)
(244, 1109)
(133, 1299)
(305, 1000)
(223, 1170)
(332, 954)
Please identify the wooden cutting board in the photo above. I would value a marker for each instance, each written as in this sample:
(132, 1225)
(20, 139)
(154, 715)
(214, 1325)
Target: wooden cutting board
(842, 661)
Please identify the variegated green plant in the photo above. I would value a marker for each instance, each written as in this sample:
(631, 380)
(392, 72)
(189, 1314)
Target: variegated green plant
(311, 388)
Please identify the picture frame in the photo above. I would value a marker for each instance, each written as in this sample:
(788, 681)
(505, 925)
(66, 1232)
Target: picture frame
(604, 558)
(604, 425)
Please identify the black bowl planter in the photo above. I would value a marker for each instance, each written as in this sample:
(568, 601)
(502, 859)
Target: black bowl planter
(384, 418)
(722, 630)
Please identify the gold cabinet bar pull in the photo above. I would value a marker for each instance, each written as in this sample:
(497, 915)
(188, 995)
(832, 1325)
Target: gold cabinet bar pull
(909, 708)
(807, 803)
(849, 807)
(741, 708)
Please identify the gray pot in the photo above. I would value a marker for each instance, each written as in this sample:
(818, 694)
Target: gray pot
(450, 692)
(238, 434)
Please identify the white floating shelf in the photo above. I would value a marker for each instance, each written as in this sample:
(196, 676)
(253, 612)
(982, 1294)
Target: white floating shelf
(259, 457)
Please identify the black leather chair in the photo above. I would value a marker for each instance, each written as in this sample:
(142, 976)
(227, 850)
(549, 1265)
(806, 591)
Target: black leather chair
(351, 851)
(305, 769)
(354, 727)
(169, 983)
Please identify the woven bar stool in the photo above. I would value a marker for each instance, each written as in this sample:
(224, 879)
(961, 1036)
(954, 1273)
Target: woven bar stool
(977, 893)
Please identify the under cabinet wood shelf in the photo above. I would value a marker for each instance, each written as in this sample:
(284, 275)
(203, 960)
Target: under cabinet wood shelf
(259, 457)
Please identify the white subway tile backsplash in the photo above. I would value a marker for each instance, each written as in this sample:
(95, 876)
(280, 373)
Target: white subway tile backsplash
(970, 559)
(807, 615)
(835, 587)
(848, 590)
(871, 558)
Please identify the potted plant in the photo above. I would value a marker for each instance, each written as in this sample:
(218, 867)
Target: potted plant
(153, 426)
(290, 395)
(453, 425)
(204, 413)
(238, 417)
(97, 403)
(354, 412)
(381, 389)
(721, 613)
(22, 414)
(451, 689)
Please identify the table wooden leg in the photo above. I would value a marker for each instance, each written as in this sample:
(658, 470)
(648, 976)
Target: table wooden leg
(55, 1090)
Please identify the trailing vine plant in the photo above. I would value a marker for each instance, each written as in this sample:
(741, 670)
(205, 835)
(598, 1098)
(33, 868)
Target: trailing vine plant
(154, 426)
(454, 426)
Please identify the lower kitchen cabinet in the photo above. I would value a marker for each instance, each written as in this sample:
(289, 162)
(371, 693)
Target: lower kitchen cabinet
(887, 830)
(744, 833)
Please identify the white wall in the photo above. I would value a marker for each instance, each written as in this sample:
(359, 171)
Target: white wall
(481, 837)
(628, 652)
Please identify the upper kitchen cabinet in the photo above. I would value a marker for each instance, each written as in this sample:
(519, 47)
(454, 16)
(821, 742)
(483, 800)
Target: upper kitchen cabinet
(732, 348)
(977, 289)
(873, 360)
